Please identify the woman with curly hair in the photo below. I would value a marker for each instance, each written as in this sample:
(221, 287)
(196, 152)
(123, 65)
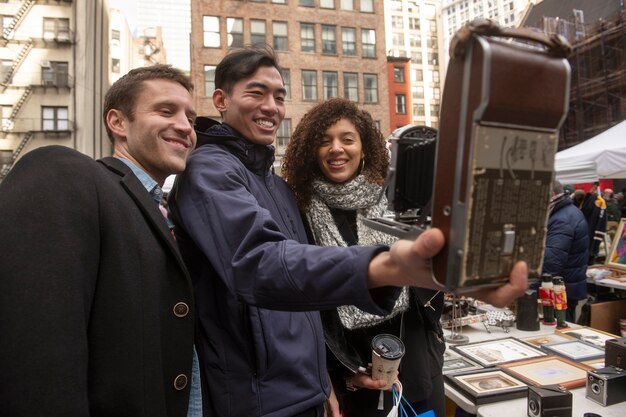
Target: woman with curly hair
(336, 164)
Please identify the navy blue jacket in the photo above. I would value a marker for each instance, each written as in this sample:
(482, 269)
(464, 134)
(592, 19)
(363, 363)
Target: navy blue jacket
(242, 238)
(567, 248)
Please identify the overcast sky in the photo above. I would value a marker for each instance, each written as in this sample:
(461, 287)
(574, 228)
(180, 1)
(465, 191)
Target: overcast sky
(129, 8)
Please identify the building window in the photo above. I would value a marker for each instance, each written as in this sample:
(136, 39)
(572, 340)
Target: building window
(368, 40)
(56, 73)
(370, 87)
(6, 67)
(348, 41)
(330, 84)
(115, 35)
(329, 40)
(436, 76)
(418, 110)
(367, 6)
(327, 4)
(350, 86)
(400, 104)
(284, 133)
(307, 37)
(5, 23)
(5, 118)
(211, 28)
(257, 32)
(279, 1)
(414, 23)
(434, 110)
(417, 91)
(307, 3)
(115, 65)
(279, 30)
(286, 74)
(398, 75)
(397, 22)
(435, 93)
(309, 85)
(234, 28)
(54, 118)
(346, 4)
(56, 29)
(209, 80)
(417, 75)
(433, 58)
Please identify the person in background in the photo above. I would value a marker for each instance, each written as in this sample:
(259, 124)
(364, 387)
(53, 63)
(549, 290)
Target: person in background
(336, 163)
(613, 211)
(567, 249)
(258, 284)
(96, 305)
(594, 210)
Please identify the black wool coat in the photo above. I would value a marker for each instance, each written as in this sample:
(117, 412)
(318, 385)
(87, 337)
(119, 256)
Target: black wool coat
(96, 306)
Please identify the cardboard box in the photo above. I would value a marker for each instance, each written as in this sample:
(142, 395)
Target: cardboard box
(605, 315)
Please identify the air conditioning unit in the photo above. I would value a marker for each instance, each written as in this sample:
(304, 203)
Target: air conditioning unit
(46, 64)
(63, 37)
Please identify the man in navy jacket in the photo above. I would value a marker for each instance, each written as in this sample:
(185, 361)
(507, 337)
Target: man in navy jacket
(258, 285)
(567, 248)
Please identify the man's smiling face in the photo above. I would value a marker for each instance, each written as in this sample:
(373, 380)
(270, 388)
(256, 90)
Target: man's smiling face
(255, 106)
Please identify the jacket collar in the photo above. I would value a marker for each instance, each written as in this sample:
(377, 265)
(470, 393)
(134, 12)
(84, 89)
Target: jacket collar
(131, 184)
(257, 158)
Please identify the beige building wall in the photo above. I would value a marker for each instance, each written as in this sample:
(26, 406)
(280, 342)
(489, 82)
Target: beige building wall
(413, 31)
(53, 74)
(205, 53)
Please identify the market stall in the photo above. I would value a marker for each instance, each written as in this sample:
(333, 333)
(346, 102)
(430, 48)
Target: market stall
(603, 156)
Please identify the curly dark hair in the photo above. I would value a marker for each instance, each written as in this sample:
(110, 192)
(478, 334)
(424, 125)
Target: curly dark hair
(300, 166)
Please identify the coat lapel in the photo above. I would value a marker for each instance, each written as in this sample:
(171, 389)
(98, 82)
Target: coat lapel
(146, 204)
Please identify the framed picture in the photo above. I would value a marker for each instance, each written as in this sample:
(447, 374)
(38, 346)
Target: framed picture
(487, 386)
(589, 335)
(617, 255)
(453, 363)
(548, 370)
(595, 363)
(575, 350)
(493, 352)
(539, 340)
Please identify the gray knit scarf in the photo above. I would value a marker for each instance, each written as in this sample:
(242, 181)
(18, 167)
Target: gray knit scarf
(362, 196)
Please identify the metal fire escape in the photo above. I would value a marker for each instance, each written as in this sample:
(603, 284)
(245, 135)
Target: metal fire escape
(27, 46)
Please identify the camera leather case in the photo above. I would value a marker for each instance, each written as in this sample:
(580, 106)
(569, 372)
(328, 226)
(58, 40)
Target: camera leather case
(503, 104)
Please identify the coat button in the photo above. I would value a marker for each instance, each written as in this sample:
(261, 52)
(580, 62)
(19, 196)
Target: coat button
(180, 382)
(181, 309)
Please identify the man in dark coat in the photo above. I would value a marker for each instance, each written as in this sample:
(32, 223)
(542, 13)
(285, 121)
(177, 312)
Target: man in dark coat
(96, 306)
(594, 210)
(567, 248)
(258, 285)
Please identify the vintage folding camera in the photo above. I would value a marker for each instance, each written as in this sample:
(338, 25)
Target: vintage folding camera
(615, 352)
(549, 401)
(503, 104)
(606, 386)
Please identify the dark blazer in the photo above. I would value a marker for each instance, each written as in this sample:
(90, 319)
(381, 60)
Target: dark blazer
(96, 306)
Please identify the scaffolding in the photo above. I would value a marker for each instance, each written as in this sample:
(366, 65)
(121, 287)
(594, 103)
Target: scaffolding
(598, 84)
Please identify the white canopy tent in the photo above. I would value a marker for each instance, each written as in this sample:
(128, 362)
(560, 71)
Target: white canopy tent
(603, 156)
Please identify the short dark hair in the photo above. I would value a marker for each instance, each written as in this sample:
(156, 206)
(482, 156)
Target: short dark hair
(122, 95)
(242, 63)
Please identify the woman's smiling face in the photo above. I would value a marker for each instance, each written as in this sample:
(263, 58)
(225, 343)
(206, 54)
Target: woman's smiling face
(340, 153)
